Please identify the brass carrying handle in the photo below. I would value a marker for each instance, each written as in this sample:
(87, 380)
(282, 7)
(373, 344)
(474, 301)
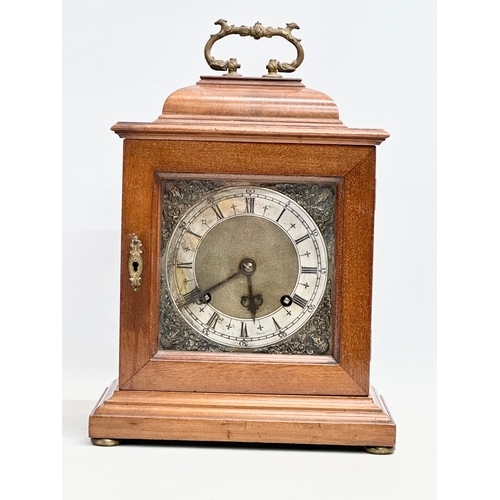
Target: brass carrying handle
(256, 31)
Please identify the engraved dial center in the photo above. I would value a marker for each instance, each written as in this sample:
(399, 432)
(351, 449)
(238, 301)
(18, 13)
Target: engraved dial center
(261, 249)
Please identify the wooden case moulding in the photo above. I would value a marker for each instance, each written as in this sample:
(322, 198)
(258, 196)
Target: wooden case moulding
(248, 128)
(251, 109)
(347, 421)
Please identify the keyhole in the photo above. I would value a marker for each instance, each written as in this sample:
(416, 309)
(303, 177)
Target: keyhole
(135, 265)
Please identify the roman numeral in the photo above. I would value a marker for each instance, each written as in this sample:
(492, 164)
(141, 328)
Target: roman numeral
(279, 216)
(184, 265)
(297, 299)
(217, 211)
(300, 240)
(244, 332)
(250, 205)
(194, 234)
(281, 333)
(309, 270)
(212, 322)
(193, 294)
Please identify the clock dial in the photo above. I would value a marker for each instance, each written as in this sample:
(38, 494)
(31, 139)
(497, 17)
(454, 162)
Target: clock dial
(246, 267)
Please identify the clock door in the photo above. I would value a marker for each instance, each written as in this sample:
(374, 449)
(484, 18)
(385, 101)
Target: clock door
(199, 321)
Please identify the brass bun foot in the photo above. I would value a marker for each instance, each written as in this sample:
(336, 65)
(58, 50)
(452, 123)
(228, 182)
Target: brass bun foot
(105, 442)
(380, 450)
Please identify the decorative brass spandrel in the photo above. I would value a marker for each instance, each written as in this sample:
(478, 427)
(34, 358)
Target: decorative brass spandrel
(135, 264)
(256, 31)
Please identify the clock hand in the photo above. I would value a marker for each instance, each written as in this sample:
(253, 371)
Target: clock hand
(252, 307)
(202, 293)
(251, 302)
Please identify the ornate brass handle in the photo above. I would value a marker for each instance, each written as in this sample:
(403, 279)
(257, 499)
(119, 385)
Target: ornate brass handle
(135, 263)
(256, 31)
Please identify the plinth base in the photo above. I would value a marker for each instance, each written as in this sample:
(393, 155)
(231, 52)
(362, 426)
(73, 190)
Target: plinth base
(318, 420)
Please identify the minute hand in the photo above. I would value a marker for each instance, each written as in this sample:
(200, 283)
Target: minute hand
(213, 287)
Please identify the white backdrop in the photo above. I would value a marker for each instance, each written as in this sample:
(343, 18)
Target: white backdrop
(375, 58)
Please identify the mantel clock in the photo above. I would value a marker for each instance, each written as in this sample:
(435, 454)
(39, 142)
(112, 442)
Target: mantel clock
(246, 267)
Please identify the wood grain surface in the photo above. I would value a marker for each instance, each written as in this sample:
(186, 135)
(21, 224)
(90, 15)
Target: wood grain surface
(355, 165)
(349, 421)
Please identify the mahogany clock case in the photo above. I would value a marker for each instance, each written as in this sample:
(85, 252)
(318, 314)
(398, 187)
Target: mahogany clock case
(270, 130)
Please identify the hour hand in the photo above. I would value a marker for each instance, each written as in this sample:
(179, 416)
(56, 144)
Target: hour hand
(250, 301)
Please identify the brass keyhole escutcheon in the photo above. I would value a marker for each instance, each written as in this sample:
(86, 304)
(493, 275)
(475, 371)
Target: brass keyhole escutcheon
(135, 263)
